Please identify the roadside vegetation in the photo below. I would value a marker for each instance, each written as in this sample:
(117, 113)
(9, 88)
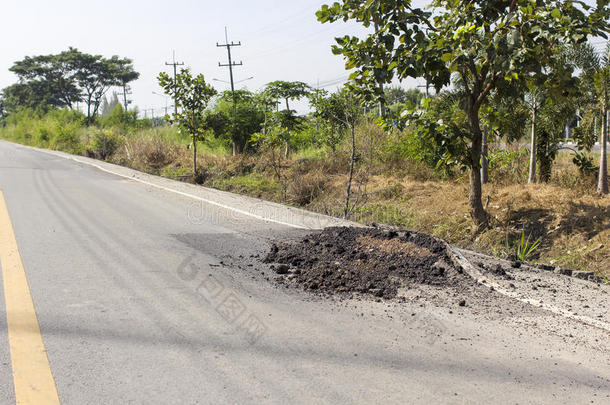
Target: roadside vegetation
(453, 164)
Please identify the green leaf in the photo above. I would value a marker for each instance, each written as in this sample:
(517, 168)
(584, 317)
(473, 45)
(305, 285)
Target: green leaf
(556, 13)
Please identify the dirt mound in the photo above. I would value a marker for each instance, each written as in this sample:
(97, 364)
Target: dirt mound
(365, 260)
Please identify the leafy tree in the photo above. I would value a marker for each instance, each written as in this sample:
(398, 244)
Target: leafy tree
(236, 116)
(192, 95)
(595, 84)
(602, 86)
(266, 103)
(32, 95)
(553, 116)
(398, 95)
(50, 80)
(486, 43)
(119, 117)
(340, 111)
(62, 80)
(287, 91)
(331, 110)
(95, 75)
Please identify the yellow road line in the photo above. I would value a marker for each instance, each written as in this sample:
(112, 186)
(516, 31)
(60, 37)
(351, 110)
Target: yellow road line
(32, 376)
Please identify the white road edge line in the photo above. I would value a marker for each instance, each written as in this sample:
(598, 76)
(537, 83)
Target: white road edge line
(205, 200)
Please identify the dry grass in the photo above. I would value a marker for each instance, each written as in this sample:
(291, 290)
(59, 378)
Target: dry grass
(566, 215)
(572, 225)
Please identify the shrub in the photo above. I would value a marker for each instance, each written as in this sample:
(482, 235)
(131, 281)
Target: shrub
(105, 143)
(153, 151)
(508, 166)
(303, 189)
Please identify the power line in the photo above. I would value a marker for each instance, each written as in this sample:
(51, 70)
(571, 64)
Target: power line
(290, 46)
(330, 83)
(277, 25)
(174, 64)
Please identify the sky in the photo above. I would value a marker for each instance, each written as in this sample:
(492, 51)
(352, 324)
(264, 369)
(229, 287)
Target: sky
(281, 39)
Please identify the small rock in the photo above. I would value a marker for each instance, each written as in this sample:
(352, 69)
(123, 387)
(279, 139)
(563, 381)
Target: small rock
(543, 266)
(565, 272)
(462, 303)
(584, 275)
(282, 269)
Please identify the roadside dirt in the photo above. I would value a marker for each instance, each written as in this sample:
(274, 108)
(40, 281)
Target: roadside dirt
(365, 260)
(398, 265)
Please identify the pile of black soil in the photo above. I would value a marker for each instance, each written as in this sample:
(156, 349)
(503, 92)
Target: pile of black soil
(364, 260)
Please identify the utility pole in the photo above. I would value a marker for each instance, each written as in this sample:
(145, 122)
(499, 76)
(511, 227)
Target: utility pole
(126, 92)
(174, 64)
(231, 64)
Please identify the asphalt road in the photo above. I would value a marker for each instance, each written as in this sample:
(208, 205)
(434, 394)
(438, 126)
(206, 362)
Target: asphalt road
(145, 296)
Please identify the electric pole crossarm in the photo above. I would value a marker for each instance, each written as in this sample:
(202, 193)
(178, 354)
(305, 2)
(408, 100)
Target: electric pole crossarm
(175, 64)
(230, 65)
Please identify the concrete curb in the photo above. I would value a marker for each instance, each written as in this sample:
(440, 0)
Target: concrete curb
(459, 260)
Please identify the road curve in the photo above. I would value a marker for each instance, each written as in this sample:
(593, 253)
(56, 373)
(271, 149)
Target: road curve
(146, 296)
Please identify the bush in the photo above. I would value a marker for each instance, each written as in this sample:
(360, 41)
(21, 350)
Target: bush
(105, 143)
(118, 117)
(508, 166)
(303, 189)
(153, 152)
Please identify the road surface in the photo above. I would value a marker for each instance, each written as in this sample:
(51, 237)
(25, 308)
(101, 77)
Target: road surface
(147, 296)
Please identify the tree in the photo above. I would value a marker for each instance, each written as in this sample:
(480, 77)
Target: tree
(64, 79)
(95, 75)
(330, 111)
(192, 95)
(287, 91)
(602, 86)
(595, 80)
(340, 111)
(49, 78)
(236, 116)
(486, 43)
(34, 95)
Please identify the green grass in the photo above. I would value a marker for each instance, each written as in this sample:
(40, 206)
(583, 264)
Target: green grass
(251, 184)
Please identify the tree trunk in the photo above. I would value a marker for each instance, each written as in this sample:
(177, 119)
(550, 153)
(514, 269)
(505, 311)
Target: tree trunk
(194, 156)
(484, 161)
(348, 191)
(477, 212)
(234, 145)
(89, 111)
(287, 150)
(532, 172)
(602, 186)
